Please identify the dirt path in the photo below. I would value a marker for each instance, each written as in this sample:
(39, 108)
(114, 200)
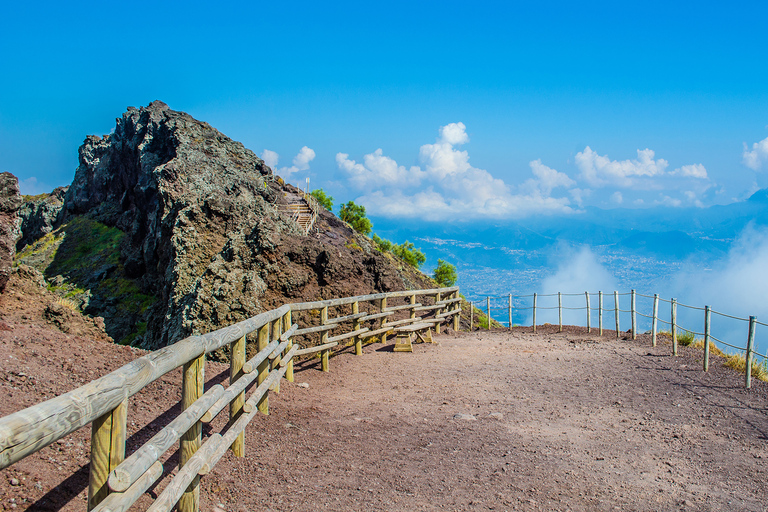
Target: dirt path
(558, 422)
(553, 422)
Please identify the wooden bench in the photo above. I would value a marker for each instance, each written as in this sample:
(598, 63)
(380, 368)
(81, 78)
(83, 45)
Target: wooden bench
(406, 334)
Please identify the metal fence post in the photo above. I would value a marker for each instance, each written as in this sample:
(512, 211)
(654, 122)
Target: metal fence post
(534, 312)
(600, 311)
(634, 315)
(707, 317)
(589, 313)
(748, 356)
(560, 311)
(654, 325)
(673, 321)
(616, 306)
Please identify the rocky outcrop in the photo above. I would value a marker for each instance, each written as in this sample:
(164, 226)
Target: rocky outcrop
(10, 201)
(39, 216)
(170, 228)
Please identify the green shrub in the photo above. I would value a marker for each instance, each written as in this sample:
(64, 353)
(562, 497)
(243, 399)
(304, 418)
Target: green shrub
(445, 273)
(354, 215)
(409, 254)
(382, 244)
(685, 338)
(324, 199)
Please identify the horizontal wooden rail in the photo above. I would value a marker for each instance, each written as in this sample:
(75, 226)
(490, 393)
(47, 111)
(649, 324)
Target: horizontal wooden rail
(377, 315)
(365, 298)
(120, 484)
(317, 328)
(407, 306)
(317, 348)
(340, 319)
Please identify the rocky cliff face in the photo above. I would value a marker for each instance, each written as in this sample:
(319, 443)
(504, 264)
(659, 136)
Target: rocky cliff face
(40, 215)
(171, 228)
(10, 201)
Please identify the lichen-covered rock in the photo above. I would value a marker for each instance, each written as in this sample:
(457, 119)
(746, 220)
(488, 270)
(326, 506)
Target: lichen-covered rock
(10, 201)
(39, 216)
(204, 234)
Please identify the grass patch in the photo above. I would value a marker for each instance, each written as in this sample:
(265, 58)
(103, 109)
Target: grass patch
(699, 343)
(738, 362)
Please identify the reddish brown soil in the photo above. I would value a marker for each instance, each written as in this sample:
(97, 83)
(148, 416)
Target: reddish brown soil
(569, 421)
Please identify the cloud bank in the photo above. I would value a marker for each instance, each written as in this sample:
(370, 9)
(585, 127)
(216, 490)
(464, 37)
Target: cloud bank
(757, 156)
(300, 162)
(446, 186)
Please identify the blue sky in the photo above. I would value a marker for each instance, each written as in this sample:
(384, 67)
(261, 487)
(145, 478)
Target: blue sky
(489, 110)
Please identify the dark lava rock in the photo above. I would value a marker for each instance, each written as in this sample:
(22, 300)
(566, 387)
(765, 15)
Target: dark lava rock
(204, 234)
(10, 201)
(39, 216)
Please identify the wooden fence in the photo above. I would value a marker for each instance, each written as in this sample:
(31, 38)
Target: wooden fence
(117, 481)
(750, 354)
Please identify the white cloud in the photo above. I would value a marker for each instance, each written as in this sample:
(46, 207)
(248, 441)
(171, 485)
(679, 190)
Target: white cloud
(548, 178)
(454, 134)
(579, 272)
(691, 171)
(754, 159)
(378, 170)
(600, 171)
(579, 194)
(446, 186)
(668, 201)
(270, 158)
(617, 198)
(693, 199)
(300, 162)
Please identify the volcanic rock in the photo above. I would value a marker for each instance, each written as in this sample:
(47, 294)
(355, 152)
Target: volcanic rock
(39, 216)
(170, 228)
(10, 201)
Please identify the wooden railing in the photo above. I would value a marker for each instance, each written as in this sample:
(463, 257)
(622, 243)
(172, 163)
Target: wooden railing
(116, 481)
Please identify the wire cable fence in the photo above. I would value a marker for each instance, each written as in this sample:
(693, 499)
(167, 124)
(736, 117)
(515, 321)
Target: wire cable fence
(523, 310)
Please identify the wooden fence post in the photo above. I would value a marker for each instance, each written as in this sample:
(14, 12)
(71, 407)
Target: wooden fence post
(413, 301)
(633, 307)
(534, 312)
(263, 369)
(560, 311)
(616, 306)
(673, 322)
(193, 380)
(488, 307)
(356, 326)
(236, 362)
(324, 339)
(287, 322)
(107, 451)
(589, 313)
(600, 311)
(748, 356)
(382, 307)
(654, 326)
(438, 297)
(707, 318)
(456, 316)
(277, 331)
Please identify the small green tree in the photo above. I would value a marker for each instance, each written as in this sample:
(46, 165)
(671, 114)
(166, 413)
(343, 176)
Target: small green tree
(382, 244)
(445, 273)
(354, 215)
(324, 199)
(408, 253)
